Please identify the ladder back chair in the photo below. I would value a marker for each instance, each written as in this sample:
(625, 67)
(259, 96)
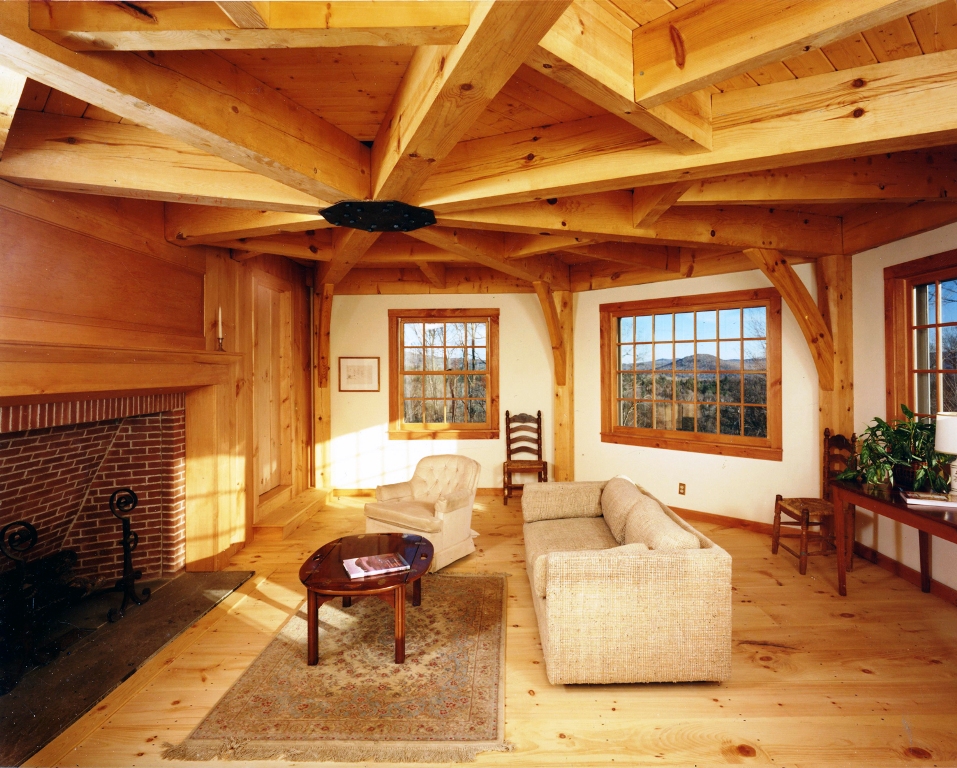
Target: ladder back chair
(814, 517)
(523, 435)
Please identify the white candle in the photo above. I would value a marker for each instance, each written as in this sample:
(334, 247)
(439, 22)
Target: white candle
(219, 324)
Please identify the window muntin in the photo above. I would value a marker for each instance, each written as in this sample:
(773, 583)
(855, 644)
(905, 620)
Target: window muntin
(444, 373)
(700, 371)
(695, 373)
(933, 359)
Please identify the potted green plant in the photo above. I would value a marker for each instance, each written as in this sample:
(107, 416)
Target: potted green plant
(901, 452)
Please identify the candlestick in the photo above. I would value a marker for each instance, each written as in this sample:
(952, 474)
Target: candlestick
(219, 329)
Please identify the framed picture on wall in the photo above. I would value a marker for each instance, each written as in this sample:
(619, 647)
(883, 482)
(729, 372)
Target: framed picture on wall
(358, 374)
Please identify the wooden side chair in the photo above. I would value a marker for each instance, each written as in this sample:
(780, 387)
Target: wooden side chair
(815, 517)
(523, 435)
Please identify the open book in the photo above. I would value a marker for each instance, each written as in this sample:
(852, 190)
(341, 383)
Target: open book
(916, 499)
(374, 565)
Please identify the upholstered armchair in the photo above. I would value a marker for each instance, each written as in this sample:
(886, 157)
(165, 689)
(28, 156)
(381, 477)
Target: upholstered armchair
(436, 503)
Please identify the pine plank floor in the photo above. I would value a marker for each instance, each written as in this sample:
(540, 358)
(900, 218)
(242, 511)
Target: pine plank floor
(817, 680)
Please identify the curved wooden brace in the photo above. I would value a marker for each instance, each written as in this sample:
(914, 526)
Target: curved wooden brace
(818, 336)
(544, 292)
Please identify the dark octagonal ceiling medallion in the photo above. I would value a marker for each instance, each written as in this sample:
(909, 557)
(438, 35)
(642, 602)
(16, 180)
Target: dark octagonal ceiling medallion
(378, 215)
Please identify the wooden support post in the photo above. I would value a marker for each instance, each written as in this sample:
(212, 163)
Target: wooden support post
(835, 301)
(323, 415)
(818, 336)
(563, 464)
(553, 322)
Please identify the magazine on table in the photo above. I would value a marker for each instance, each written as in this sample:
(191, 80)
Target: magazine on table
(918, 499)
(375, 565)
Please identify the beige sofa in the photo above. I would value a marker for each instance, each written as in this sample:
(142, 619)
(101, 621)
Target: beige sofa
(625, 591)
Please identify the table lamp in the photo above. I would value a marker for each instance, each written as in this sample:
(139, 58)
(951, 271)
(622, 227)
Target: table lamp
(945, 441)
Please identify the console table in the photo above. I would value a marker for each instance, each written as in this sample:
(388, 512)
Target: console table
(929, 521)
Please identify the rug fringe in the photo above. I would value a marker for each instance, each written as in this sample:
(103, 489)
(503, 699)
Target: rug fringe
(342, 752)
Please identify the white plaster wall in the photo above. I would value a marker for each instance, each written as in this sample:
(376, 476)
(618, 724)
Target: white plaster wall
(890, 538)
(363, 456)
(737, 487)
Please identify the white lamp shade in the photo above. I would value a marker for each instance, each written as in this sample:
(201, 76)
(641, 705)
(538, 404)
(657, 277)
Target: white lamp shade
(946, 434)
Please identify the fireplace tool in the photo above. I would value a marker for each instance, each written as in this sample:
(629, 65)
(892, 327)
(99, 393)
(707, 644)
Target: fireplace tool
(124, 500)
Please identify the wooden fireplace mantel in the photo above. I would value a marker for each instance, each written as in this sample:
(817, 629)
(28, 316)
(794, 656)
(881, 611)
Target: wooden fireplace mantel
(218, 507)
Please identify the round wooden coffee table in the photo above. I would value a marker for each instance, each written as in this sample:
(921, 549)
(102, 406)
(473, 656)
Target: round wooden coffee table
(325, 578)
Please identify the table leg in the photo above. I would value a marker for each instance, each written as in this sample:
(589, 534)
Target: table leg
(399, 603)
(840, 510)
(312, 621)
(417, 592)
(924, 540)
(346, 601)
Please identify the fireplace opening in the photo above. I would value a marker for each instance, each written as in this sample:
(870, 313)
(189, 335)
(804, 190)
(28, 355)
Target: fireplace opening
(92, 501)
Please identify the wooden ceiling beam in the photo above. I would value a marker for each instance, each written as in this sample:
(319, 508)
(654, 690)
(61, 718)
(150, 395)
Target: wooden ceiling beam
(443, 91)
(650, 203)
(403, 281)
(484, 249)
(706, 41)
(590, 51)
(520, 246)
(198, 224)
(246, 14)
(202, 100)
(316, 246)
(446, 88)
(869, 226)
(609, 216)
(929, 174)
(658, 257)
(72, 154)
(434, 272)
(348, 247)
(776, 268)
(11, 87)
(893, 106)
(159, 26)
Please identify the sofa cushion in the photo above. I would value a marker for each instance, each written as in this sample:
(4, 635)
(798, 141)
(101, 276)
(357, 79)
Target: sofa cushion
(567, 535)
(415, 515)
(552, 501)
(619, 496)
(649, 524)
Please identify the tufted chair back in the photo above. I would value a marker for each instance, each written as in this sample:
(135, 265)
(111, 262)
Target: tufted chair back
(441, 475)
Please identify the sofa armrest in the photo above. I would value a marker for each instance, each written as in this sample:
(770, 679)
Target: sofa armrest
(394, 492)
(553, 501)
(638, 616)
(455, 500)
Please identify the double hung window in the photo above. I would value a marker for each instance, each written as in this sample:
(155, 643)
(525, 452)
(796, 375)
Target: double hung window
(443, 378)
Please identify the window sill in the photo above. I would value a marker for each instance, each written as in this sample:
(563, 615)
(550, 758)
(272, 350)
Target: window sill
(443, 434)
(671, 443)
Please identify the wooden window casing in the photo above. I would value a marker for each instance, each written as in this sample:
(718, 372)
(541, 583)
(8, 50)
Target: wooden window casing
(768, 447)
(902, 327)
(399, 429)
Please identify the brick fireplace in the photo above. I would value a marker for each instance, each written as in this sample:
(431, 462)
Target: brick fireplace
(59, 463)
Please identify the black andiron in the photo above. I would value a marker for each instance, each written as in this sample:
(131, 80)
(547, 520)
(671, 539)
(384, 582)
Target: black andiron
(124, 500)
(19, 609)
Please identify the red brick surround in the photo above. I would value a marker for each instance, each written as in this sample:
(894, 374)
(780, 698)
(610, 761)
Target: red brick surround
(19, 418)
(60, 479)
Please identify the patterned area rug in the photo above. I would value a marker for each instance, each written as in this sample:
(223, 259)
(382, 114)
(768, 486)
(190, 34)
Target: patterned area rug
(445, 703)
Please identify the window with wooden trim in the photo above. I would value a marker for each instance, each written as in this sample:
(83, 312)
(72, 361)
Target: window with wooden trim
(921, 335)
(694, 373)
(443, 373)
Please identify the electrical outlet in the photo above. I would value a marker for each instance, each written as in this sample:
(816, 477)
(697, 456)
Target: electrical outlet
(681, 489)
